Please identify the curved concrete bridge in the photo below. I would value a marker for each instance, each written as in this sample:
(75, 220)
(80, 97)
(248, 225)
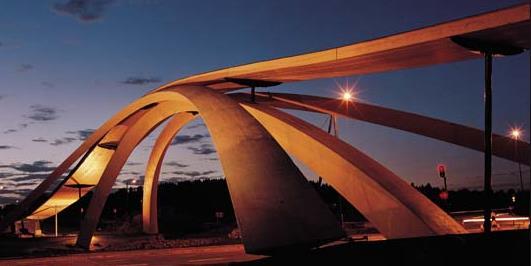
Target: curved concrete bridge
(274, 205)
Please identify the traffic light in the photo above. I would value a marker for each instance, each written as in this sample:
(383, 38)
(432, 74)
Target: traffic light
(442, 170)
(443, 195)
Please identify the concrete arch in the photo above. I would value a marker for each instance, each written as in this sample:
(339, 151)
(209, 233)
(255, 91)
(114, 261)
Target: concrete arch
(268, 192)
(392, 205)
(151, 177)
(131, 139)
(137, 107)
(449, 132)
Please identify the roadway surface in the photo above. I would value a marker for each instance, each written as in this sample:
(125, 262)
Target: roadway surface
(174, 256)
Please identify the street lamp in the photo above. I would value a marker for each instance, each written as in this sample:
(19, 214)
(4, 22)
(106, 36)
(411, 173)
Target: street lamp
(347, 96)
(515, 134)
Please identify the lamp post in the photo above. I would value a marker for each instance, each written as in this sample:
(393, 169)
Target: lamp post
(79, 187)
(515, 134)
(127, 194)
(487, 49)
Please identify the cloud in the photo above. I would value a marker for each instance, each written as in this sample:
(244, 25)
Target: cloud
(26, 178)
(47, 84)
(20, 126)
(176, 164)
(184, 139)
(4, 175)
(140, 80)
(83, 10)
(196, 126)
(42, 113)
(6, 147)
(79, 135)
(20, 192)
(178, 179)
(204, 149)
(82, 134)
(193, 173)
(24, 68)
(62, 141)
(21, 184)
(35, 167)
(133, 163)
(125, 172)
(39, 140)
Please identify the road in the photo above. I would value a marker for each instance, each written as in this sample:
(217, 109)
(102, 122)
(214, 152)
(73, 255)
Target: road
(173, 256)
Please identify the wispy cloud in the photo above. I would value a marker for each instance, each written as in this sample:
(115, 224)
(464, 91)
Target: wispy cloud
(185, 139)
(140, 80)
(82, 134)
(204, 149)
(20, 127)
(126, 172)
(28, 177)
(35, 167)
(47, 84)
(40, 139)
(42, 113)
(6, 147)
(176, 164)
(62, 141)
(200, 125)
(24, 68)
(83, 10)
(193, 173)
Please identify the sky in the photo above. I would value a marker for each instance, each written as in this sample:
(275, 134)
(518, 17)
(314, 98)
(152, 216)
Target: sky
(66, 66)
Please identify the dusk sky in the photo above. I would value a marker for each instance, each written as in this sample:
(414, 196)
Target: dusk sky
(66, 66)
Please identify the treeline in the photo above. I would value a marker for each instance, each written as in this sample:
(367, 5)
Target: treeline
(467, 200)
(204, 205)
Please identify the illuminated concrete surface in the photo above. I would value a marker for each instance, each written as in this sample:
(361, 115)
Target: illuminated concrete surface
(269, 194)
(151, 176)
(131, 139)
(264, 185)
(394, 207)
(464, 136)
(421, 47)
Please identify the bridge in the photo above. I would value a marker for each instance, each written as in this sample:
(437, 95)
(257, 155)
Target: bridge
(253, 138)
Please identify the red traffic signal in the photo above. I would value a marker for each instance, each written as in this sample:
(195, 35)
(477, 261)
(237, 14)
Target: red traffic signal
(441, 168)
(443, 195)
